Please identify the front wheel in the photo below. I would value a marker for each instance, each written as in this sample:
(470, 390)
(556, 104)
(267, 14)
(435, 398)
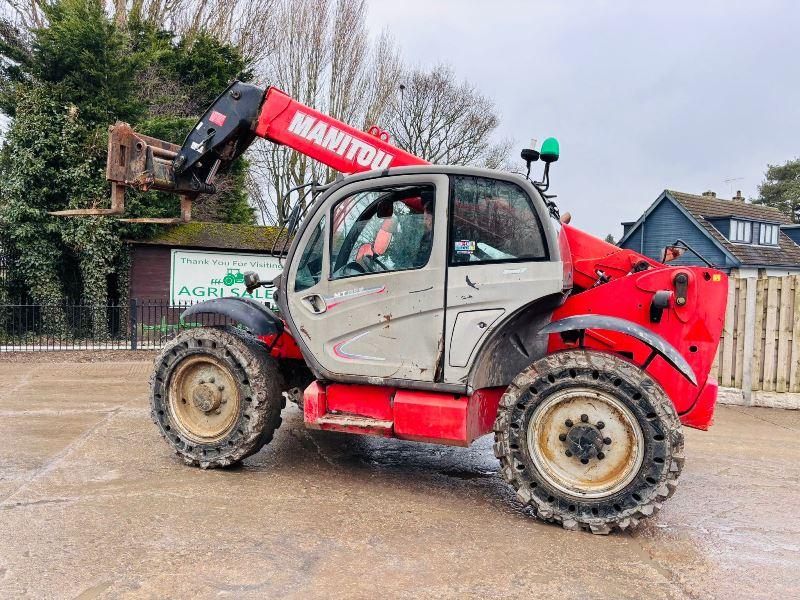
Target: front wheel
(589, 441)
(215, 395)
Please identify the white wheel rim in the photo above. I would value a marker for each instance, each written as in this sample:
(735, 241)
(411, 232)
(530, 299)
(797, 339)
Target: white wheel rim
(611, 467)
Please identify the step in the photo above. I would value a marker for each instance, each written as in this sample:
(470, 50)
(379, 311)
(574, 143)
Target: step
(348, 423)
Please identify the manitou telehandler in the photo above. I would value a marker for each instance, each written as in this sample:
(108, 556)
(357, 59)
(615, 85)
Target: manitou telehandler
(437, 304)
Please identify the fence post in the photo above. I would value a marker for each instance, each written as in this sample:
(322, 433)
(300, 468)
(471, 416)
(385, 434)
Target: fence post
(749, 339)
(134, 323)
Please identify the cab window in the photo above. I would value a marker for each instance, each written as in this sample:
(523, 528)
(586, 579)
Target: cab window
(381, 230)
(493, 221)
(309, 269)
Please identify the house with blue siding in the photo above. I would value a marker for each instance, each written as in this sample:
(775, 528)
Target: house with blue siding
(743, 239)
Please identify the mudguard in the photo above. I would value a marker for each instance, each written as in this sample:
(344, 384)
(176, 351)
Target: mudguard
(657, 343)
(257, 318)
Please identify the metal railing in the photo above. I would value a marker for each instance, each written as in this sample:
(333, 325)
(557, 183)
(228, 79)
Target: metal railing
(139, 325)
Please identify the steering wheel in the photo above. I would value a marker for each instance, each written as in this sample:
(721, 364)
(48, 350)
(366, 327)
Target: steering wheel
(355, 266)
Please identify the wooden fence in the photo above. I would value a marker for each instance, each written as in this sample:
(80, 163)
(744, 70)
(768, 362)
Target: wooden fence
(760, 346)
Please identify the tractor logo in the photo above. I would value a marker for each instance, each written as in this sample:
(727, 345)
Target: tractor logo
(232, 277)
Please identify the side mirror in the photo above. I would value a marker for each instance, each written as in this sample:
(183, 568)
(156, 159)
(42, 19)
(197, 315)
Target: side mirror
(251, 281)
(670, 253)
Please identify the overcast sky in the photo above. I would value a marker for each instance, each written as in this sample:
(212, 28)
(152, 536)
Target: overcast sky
(642, 96)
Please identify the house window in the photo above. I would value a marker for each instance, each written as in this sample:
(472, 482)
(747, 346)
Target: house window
(768, 236)
(741, 231)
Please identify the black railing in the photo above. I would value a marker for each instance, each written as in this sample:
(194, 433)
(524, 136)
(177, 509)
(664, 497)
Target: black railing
(140, 325)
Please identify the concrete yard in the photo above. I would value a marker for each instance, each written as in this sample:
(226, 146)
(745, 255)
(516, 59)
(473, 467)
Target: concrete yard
(94, 505)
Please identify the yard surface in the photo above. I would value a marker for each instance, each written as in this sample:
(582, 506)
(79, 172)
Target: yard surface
(94, 505)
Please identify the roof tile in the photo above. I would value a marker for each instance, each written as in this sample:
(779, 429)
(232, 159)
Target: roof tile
(786, 253)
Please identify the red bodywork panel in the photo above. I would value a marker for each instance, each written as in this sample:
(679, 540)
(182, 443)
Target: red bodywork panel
(284, 347)
(416, 415)
(328, 140)
(694, 328)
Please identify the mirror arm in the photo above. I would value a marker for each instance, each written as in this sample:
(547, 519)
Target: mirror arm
(680, 243)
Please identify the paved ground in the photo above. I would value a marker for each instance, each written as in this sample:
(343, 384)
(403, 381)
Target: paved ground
(92, 504)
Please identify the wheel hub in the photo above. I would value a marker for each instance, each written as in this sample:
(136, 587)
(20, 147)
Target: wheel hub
(206, 397)
(584, 441)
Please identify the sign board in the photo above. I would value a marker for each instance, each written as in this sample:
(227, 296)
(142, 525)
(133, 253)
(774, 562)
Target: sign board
(197, 275)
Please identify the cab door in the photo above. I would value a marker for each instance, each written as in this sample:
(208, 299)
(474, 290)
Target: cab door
(367, 293)
(501, 258)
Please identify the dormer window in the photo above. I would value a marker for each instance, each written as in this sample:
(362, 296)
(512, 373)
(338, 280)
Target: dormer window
(754, 232)
(741, 231)
(768, 235)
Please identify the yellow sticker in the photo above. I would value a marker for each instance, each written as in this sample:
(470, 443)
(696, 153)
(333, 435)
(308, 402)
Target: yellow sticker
(716, 277)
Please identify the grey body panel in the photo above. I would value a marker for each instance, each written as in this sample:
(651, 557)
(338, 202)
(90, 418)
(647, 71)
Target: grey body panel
(513, 344)
(256, 317)
(508, 288)
(659, 345)
(379, 324)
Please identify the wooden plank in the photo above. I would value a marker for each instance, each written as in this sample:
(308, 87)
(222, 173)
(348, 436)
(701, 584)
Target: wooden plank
(741, 305)
(749, 339)
(758, 337)
(794, 355)
(784, 333)
(727, 337)
(771, 333)
(716, 373)
(85, 212)
(154, 220)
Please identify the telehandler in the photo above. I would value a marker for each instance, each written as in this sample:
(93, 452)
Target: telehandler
(437, 304)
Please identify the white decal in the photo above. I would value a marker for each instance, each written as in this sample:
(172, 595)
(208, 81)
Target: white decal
(514, 271)
(339, 350)
(331, 138)
(346, 295)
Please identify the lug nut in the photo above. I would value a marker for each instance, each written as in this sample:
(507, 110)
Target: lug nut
(202, 381)
(218, 411)
(568, 453)
(563, 437)
(568, 422)
(607, 441)
(585, 461)
(585, 418)
(600, 424)
(600, 455)
(210, 380)
(221, 387)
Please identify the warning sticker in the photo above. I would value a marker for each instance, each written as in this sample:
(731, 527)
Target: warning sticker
(464, 246)
(217, 118)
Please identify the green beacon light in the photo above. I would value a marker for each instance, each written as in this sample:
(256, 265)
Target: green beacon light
(549, 151)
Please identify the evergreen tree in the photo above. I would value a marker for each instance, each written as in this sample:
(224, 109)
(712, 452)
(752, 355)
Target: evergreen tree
(781, 188)
(62, 85)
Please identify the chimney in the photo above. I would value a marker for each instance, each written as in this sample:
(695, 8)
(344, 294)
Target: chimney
(710, 194)
(738, 197)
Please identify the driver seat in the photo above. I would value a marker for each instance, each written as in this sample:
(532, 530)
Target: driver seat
(380, 244)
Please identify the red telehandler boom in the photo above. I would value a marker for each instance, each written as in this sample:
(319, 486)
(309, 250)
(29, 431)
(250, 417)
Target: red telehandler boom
(438, 304)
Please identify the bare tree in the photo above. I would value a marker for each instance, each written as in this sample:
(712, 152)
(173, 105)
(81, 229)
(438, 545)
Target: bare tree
(228, 20)
(323, 57)
(446, 122)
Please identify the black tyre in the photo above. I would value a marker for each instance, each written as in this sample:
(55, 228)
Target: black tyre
(215, 395)
(589, 440)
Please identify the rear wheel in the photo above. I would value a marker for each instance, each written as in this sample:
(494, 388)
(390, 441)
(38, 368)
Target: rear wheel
(216, 396)
(589, 441)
